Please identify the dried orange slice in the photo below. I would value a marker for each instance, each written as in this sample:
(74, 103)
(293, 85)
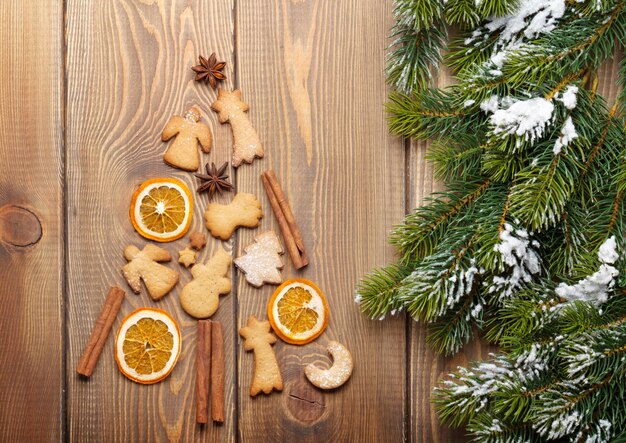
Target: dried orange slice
(298, 311)
(147, 345)
(161, 209)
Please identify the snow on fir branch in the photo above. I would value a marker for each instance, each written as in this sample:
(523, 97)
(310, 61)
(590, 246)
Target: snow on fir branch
(596, 287)
(524, 118)
(568, 134)
(518, 253)
(569, 97)
(527, 244)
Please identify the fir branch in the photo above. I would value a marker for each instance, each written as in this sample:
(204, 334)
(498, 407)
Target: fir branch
(616, 210)
(454, 160)
(523, 319)
(489, 429)
(529, 240)
(583, 43)
(442, 278)
(567, 243)
(598, 33)
(469, 13)
(598, 146)
(424, 228)
(466, 392)
(432, 113)
(592, 7)
(578, 318)
(454, 329)
(418, 39)
(491, 215)
(377, 292)
(543, 189)
(566, 410)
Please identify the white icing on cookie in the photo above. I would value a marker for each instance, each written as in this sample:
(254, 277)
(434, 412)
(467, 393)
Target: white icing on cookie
(337, 374)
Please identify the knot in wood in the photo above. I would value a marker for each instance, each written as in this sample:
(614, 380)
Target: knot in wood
(19, 226)
(305, 403)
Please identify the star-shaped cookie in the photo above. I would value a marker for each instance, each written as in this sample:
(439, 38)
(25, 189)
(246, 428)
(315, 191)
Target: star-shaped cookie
(186, 257)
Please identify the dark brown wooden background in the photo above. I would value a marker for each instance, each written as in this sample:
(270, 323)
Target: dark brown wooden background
(86, 88)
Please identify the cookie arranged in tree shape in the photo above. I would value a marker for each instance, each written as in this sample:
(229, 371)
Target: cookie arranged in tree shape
(261, 261)
(258, 338)
(189, 131)
(159, 279)
(222, 220)
(200, 297)
(232, 109)
(337, 374)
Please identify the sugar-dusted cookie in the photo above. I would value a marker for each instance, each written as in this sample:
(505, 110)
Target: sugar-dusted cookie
(232, 109)
(261, 261)
(337, 374)
(200, 297)
(187, 257)
(258, 338)
(189, 131)
(159, 279)
(222, 220)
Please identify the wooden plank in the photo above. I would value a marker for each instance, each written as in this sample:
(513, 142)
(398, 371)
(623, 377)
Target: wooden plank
(607, 76)
(312, 73)
(31, 220)
(128, 73)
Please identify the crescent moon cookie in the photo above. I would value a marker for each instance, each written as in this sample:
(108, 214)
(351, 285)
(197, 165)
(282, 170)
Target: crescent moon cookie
(337, 374)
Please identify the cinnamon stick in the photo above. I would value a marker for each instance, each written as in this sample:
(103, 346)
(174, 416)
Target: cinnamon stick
(217, 373)
(286, 220)
(203, 370)
(100, 332)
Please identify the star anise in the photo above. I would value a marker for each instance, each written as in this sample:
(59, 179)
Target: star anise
(215, 180)
(209, 70)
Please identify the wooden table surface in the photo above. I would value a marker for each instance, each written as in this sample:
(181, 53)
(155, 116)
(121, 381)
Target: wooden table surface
(86, 88)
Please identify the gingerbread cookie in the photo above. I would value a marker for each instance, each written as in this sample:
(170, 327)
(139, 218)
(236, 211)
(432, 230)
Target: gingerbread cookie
(232, 109)
(200, 297)
(337, 374)
(197, 240)
(261, 262)
(258, 338)
(186, 257)
(183, 152)
(222, 220)
(159, 279)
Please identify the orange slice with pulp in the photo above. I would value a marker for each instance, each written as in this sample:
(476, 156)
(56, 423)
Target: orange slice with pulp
(298, 311)
(147, 345)
(161, 209)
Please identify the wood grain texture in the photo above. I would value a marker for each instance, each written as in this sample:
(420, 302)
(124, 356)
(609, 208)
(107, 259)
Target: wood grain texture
(128, 72)
(31, 220)
(312, 72)
(607, 74)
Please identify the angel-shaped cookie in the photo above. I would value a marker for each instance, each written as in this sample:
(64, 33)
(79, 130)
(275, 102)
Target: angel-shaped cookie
(189, 131)
(232, 109)
(159, 279)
